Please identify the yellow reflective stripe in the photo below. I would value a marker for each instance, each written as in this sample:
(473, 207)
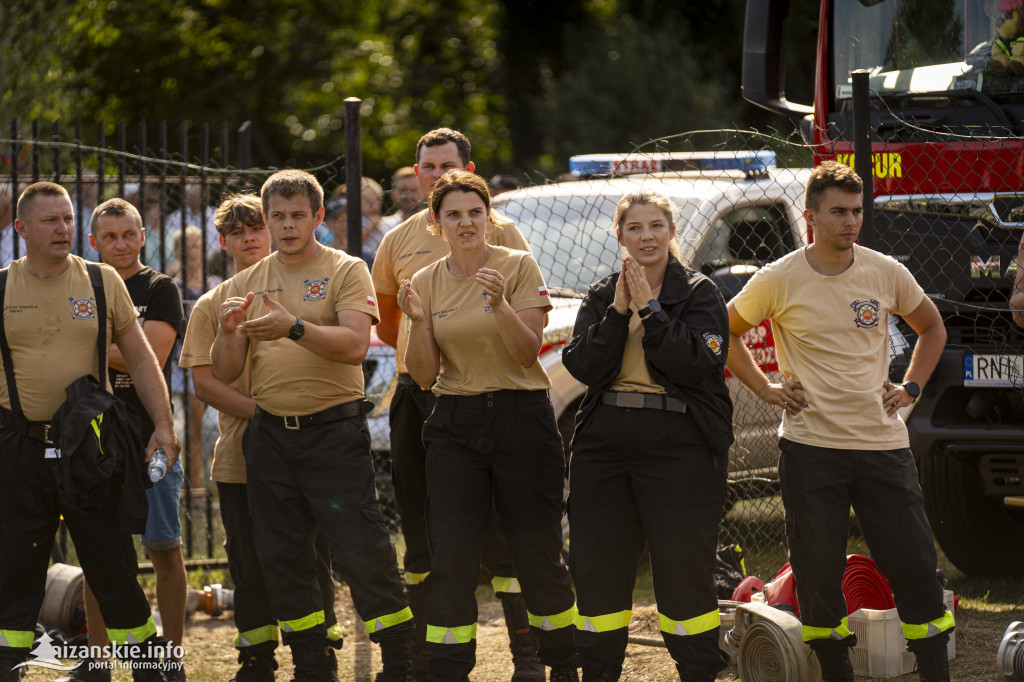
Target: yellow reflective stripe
(603, 623)
(743, 561)
(304, 623)
(133, 635)
(17, 639)
(841, 631)
(1002, 46)
(690, 626)
(506, 585)
(460, 634)
(936, 627)
(415, 578)
(267, 633)
(96, 423)
(558, 620)
(381, 622)
(334, 633)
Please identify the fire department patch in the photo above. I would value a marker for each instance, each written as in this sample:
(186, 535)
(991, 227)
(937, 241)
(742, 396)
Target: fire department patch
(316, 289)
(714, 342)
(82, 308)
(867, 313)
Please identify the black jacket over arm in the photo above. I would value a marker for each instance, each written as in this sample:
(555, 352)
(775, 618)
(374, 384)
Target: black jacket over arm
(679, 348)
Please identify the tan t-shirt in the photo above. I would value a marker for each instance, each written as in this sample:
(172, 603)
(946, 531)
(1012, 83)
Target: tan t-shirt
(633, 374)
(287, 379)
(410, 247)
(832, 335)
(51, 329)
(228, 463)
(474, 359)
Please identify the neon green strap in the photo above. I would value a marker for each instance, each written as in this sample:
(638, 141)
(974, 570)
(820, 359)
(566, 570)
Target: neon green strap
(506, 585)
(267, 633)
(603, 623)
(460, 634)
(304, 623)
(841, 631)
(133, 635)
(415, 578)
(559, 620)
(334, 633)
(381, 622)
(936, 627)
(690, 626)
(17, 639)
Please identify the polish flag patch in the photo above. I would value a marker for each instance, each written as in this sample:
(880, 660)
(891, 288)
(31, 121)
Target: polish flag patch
(370, 302)
(543, 291)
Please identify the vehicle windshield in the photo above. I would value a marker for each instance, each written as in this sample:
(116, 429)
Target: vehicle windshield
(571, 236)
(918, 46)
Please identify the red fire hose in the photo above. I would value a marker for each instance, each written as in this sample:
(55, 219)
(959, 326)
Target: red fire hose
(864, 587)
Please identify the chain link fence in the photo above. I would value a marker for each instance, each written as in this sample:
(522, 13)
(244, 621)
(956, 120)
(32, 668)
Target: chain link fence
(740, 200)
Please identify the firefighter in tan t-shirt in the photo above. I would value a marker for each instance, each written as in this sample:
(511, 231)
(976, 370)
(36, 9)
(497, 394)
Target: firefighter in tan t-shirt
(843, 442)
(304, 315)
(405, 250)
(239, 221)
(50, 323)
(476, 322)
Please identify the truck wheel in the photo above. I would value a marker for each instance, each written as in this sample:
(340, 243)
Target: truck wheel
(978, 534)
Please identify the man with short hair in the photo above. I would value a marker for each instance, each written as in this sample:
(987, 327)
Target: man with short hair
(51, 327)
(843, 442)
(307, 448)
(117, 235)
(239, 221)
(406, 194)
(404, 250)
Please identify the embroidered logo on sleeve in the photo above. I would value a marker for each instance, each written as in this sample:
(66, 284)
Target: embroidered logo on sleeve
(714, 342)
(316, 289)
(82, 308)
(867, 313)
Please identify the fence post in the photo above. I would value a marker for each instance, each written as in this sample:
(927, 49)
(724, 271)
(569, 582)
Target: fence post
(863, 162)
(354, 176)
(244, 152)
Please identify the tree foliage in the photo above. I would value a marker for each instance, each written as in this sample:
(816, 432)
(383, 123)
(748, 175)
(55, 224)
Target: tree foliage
(530, 82)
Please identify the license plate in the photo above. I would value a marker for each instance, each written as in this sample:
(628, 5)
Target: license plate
(994, 370)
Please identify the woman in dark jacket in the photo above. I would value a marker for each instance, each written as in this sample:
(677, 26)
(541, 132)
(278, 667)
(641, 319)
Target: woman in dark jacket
(650, 450)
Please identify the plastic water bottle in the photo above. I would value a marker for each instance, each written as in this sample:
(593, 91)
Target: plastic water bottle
(157, 465)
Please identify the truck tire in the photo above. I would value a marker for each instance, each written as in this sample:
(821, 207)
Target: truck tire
(978, 534)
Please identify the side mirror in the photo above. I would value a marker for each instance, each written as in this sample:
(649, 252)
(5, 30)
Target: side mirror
(764, 64)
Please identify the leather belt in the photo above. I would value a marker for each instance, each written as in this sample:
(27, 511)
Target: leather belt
(406, 380)
(636, 401)
(331, 414)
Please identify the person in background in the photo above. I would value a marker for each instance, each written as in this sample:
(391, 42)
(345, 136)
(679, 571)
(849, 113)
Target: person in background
(649, 344)
(117, 234)
(244, 236)
(406, 194)
(476, 319)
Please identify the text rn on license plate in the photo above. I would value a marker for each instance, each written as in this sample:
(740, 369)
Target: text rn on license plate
(993, 370)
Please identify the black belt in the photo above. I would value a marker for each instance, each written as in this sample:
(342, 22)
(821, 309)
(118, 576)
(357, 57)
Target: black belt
(37, 431)
(331, 414)
(407, 380)
(651, 401)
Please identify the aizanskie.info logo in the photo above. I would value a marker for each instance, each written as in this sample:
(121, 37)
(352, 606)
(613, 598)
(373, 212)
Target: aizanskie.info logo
(151, 655)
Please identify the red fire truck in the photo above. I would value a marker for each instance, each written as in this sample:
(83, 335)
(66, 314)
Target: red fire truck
(946, 120)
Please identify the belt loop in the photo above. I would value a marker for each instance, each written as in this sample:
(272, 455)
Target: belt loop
(292, 427)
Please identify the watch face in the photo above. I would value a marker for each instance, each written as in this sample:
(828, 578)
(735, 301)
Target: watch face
(912, 389)
(654, 305)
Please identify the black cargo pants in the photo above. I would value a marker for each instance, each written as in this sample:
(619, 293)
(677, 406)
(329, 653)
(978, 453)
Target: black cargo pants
(636, 475)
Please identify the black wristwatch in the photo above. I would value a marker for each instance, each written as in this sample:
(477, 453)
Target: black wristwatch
(652, 307)
(912, 389)
(297, 330)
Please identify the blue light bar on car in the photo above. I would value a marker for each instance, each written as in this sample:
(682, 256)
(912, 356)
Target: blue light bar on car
(587, 165)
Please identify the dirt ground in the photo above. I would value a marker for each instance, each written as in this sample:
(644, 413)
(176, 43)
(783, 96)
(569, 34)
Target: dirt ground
(210, 656)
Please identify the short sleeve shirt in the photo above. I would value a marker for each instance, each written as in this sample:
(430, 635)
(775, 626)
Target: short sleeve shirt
(474, 359)
(411, 247)
(228, 463)
(156, 299)
(832, 335)
(287, 379)
(51, 330)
